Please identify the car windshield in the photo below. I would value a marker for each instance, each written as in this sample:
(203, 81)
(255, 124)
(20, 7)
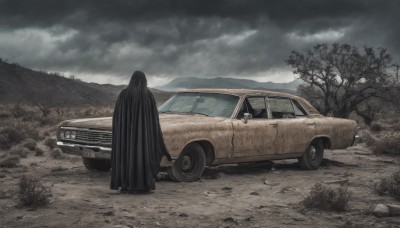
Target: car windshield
(209, 104)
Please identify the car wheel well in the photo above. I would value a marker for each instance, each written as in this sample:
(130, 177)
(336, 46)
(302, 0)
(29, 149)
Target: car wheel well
(208, 151)
(326, 142)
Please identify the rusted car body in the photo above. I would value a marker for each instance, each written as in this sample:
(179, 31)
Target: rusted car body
(223, 126)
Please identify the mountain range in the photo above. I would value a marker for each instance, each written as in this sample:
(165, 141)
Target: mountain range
(228, 83)
(23, 85)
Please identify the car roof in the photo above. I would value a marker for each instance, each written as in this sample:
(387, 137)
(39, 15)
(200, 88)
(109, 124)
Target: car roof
(252, 92)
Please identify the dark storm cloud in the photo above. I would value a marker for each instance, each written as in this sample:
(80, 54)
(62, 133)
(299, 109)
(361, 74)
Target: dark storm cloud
(167, 38)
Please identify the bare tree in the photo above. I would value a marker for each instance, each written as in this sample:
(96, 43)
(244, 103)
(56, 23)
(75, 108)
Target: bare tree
(341, 78)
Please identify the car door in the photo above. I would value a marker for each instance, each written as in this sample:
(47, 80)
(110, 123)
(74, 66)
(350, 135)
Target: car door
(257, 136)
(294, 128)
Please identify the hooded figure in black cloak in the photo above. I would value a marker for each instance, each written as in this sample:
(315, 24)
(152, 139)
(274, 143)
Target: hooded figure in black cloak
(137, 140)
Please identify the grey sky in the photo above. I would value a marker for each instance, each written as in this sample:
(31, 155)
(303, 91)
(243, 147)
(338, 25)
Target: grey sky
(104, 41)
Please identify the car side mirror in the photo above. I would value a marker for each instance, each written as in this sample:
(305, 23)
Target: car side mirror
(246, 116)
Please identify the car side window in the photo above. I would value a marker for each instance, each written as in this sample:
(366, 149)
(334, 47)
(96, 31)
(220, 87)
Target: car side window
(255, 106)
(298, 110)
(281, 108)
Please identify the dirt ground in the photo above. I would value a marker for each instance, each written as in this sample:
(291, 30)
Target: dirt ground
(266, 195)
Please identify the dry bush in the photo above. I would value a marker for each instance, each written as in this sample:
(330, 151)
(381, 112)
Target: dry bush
(368, 138)
(32, 192)
(38, 152)
(9, 161)
(376, 127)
(30, 144)
(385, 142)
(50, 142)
(22, 113)
(50, 120)
(388, 143)
(396, 126)
(5, 114)
(57, 154)
(327, 198)
(57, 169)
(20, 151)
(13, 132)
(390, 185)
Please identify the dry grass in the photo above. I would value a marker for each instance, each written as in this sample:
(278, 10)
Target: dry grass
(327, 198)
(32, 192)
(390, 185)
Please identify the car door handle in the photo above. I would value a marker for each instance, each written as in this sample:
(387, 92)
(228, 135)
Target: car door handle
(310, 123)
(274, 124)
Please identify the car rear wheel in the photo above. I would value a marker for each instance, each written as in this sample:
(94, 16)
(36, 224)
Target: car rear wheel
(190, 164)
(313, 156)
(97, 164)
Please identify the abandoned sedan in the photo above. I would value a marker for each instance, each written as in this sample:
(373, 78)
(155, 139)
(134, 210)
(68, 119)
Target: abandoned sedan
(206, 127)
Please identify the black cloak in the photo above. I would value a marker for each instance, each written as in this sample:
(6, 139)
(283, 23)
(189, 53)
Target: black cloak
(137, 140)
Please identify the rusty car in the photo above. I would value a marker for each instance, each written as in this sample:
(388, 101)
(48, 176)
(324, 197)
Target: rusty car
(209, 127)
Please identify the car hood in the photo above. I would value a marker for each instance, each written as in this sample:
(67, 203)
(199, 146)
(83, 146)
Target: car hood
(166, 121)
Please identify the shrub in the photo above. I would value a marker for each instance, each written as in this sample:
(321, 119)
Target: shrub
(388, 143)
(38, 152)
(50, 142)
(14, 132)
(58, 169)
(9, 161)
(376, 127)
(368, 138)
(390, 185)
(18, 111)
(32, 192)
(20, 151)
(4, 114)
(327, 198)
(49, 120)
(57, 154)
(30, 144)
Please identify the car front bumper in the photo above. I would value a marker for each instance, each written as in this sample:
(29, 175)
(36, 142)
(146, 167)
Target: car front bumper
(97, 152)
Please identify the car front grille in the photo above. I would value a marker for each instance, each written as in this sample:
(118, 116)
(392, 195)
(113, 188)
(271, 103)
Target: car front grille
(92, 137)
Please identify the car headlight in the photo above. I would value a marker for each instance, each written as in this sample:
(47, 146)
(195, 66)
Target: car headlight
(67, 134)
(73, 134)
(62, 135)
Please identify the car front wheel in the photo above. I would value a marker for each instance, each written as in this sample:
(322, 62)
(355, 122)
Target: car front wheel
(313, 156)
(190, 164)
(97, 164)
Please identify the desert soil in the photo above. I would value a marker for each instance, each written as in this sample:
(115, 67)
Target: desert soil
(266, 195)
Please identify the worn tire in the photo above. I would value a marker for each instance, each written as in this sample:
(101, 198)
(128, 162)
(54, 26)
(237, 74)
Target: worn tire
(190, 164)
(97, 164)
(313, 156)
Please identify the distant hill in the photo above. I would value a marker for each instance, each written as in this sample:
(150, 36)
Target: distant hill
(228, 83)
(23, 85)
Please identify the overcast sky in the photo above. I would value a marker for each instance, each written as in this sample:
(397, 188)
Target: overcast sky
(105, 41)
